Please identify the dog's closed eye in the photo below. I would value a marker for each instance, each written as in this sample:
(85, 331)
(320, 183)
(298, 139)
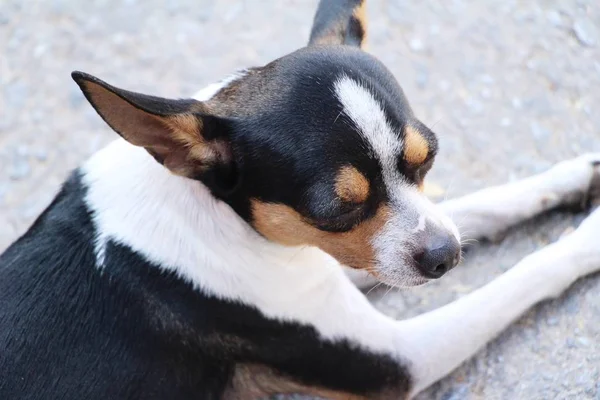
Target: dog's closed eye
(344, 219)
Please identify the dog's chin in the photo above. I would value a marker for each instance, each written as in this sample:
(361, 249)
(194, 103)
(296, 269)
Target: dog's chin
(412, 282)
(403, 279)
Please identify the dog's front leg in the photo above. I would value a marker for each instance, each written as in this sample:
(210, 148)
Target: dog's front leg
(438, 341)
(490, 212)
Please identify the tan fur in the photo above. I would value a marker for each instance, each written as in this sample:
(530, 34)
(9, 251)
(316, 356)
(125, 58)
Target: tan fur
(253, 381)
(284, 225)
(352, 186)
(336, 29)
(416, 147)
(360, 13)
(176, 140)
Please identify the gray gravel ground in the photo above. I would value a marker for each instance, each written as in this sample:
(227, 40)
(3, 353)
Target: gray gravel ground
(510, 86)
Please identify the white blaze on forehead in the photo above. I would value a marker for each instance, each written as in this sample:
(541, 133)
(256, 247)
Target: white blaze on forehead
(368, 116)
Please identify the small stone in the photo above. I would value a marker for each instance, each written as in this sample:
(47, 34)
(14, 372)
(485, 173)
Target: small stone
(570, 343)
(16, 94)
(22, 151)
(456, 393)
(444, 85)
(554, 18)
(3, 191)
(475, 106)
(41, 155)
(572, 305)
(39, 50)
(422, 76)
(583, 341)
(552, 321)
(37, 115)
(416, 45)
(20, 169)
(517, 103)
(585, 32)
(487, 79)
(540, 132)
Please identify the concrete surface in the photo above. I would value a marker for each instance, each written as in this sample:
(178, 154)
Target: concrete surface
(510, 86)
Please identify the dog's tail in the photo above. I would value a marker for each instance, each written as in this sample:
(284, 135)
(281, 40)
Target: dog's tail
(340, 22)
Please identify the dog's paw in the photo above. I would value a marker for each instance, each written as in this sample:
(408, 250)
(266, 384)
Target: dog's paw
(577, 179)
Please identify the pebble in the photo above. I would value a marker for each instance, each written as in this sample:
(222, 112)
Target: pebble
(20, 168)
(3, 190)
(517, 103)
(422, 77)
(16, 94)
(540, 132)
(475, 106)
(585, 32)
(554, 18)
(459, 392)
(584, 341)
(416, 45)
(572, 305)
(41, 155)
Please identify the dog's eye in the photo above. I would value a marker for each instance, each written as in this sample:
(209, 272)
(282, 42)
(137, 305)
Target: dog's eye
(345, 219)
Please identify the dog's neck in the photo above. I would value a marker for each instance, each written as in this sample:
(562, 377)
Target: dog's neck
(177, 224)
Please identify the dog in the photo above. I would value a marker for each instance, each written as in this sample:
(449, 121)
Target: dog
(203, 254)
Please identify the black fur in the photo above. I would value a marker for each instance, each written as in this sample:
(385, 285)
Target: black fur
(290, 153)
(336, 18)
(69, 330)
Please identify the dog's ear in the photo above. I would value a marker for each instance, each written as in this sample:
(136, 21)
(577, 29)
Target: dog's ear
(340, 22)
(180, 134)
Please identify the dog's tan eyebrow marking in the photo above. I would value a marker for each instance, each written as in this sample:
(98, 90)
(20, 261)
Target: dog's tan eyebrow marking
(351, 186)
(416, 147)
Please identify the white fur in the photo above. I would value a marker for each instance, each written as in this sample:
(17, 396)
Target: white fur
(367, 114)
(214, 88)
(177, 224)
(410, 209)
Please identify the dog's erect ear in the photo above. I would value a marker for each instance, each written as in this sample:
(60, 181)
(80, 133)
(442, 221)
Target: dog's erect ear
(180, 134)
(340, 22)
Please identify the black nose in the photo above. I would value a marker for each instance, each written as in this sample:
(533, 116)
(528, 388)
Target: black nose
(438, 257)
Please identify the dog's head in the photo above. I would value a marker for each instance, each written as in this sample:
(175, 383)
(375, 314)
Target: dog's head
(317, 148)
